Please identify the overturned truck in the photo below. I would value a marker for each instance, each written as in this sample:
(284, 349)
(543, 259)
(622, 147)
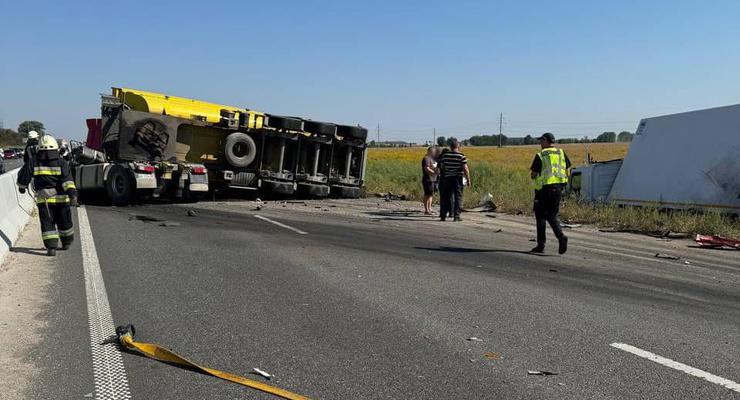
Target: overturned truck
(153, 145)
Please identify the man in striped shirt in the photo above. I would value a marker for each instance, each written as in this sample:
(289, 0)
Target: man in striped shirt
(454, 167)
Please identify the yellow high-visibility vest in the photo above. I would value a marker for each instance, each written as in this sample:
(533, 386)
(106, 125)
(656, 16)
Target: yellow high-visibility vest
(553, 170)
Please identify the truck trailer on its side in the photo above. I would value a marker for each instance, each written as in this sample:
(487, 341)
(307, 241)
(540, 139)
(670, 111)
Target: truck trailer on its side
(153, 145)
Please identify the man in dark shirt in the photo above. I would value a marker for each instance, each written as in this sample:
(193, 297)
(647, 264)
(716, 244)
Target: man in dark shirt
(549, 184)
(454, 167)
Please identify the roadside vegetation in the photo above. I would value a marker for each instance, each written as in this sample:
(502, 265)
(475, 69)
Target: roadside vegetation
(504, 172)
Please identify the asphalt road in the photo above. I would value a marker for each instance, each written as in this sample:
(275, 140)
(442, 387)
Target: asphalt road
(382, 305)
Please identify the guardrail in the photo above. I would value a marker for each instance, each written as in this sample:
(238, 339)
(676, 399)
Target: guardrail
(15, 211)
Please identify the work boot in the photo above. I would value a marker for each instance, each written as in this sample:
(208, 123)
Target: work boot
(457, 219)
(51, 252)
(65, 246)
(442, 219)
(563, 245)
(539, 249)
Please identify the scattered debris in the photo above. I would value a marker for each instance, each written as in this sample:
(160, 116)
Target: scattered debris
(169, 224)
(492, 355)
(259, 207)
(262, 373)
(667, 256)
(474, 339)
(571, 226)
(390, 196)
(486, 205)
(89, 396)
(258, 200)
(498, 230)
(472, 360)
(541, 373)
(717, 242)
(561, 384)
(296, 202)
(676, 235)
(687, 262)
(553, 270)
(145, 218)
(192, 213)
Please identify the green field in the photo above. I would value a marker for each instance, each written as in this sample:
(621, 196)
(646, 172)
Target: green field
(503, 172)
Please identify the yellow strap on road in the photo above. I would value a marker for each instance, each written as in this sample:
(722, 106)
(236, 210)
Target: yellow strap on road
(157, 352)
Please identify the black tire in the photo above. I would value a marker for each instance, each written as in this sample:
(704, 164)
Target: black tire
(275, 187)
(119, 185)
(320, 128)
(286, 123)
(313, 191)
(356, 132)
(346, 192)
(240, 149)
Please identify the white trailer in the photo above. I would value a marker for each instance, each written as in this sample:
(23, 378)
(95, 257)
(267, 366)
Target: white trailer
(684, 161)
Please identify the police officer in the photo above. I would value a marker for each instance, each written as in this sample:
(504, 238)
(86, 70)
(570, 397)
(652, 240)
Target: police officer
(550, 174)
(55, 190)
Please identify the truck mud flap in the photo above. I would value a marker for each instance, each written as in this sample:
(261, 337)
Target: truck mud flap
(346, 192)
(278, 187)
(313, 190)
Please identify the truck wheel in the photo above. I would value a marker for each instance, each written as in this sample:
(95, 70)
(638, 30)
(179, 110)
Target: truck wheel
(356, 132)
(119, 185)
(287, 123)
(239, 149)
(320, 128)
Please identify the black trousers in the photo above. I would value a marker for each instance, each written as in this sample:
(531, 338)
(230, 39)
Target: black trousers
(546, 209)
(450, 196)
(56, 224)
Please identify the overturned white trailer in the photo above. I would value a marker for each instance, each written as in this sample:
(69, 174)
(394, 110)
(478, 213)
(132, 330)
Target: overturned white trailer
(683, 161)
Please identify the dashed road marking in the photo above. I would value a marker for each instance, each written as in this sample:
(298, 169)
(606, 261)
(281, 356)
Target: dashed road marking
(282, 225)
(108, 370)
(678, 366)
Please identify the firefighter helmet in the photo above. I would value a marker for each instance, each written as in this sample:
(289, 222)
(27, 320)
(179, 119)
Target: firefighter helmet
(47, 142)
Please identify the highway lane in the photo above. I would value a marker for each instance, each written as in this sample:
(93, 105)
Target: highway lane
(358, 308)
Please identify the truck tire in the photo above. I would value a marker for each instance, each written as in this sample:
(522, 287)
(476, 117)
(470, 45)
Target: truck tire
(356, 132)
(320, 128)
(286, 123)
(346, 192)
(119, 185)
(239, 149)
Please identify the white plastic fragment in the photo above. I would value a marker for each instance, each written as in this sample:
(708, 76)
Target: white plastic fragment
(262, 373)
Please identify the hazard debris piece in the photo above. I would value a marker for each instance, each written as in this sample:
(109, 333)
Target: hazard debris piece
(545, 373)
(390, 196)
(192, 213)
(717, 242)
(262, 373)
(492, 355)
(145, 218)
(486, 204)
(667, 256)
(474, 339)
(571, 226)
(169, 224)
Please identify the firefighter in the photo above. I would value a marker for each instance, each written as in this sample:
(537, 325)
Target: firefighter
(55, 191)
(31, 142)
(549, 171)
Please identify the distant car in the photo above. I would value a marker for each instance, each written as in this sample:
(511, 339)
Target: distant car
(9, 154)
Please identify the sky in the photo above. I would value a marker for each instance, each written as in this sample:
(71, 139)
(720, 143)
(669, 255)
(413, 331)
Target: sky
(573, 68)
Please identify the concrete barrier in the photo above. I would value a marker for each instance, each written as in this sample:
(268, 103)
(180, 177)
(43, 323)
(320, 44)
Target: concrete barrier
(15, 211)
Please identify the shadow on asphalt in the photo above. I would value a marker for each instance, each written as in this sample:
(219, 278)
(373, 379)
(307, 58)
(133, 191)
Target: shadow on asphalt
(471, 250)
(29, 250)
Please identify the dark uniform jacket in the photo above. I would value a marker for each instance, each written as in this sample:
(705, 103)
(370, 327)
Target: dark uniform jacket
(51, 175)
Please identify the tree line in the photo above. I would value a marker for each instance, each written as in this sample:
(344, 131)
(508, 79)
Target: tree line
(11, 138)
(503, 140)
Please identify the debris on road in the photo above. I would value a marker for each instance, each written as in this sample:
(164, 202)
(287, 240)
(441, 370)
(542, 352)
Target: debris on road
(716, 242)
(571, 226)
(667, 256)
(492, 355)
(390, 196)
(486, 205)
(262, 373)
(474, 339)
(498, 230)
(192, 213)
(687, 262)
(166, 224)
(553, 270)
(145, 218)
(545, 373)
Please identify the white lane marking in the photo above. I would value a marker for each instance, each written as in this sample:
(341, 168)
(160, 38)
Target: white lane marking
(108, 371)
(679, 366)
(282, 225)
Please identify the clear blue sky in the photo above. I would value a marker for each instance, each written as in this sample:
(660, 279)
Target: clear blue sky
(574, 68)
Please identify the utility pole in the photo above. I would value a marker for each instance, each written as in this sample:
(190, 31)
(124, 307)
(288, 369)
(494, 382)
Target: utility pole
(434, 137)
(500, 127)
(378, 132)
